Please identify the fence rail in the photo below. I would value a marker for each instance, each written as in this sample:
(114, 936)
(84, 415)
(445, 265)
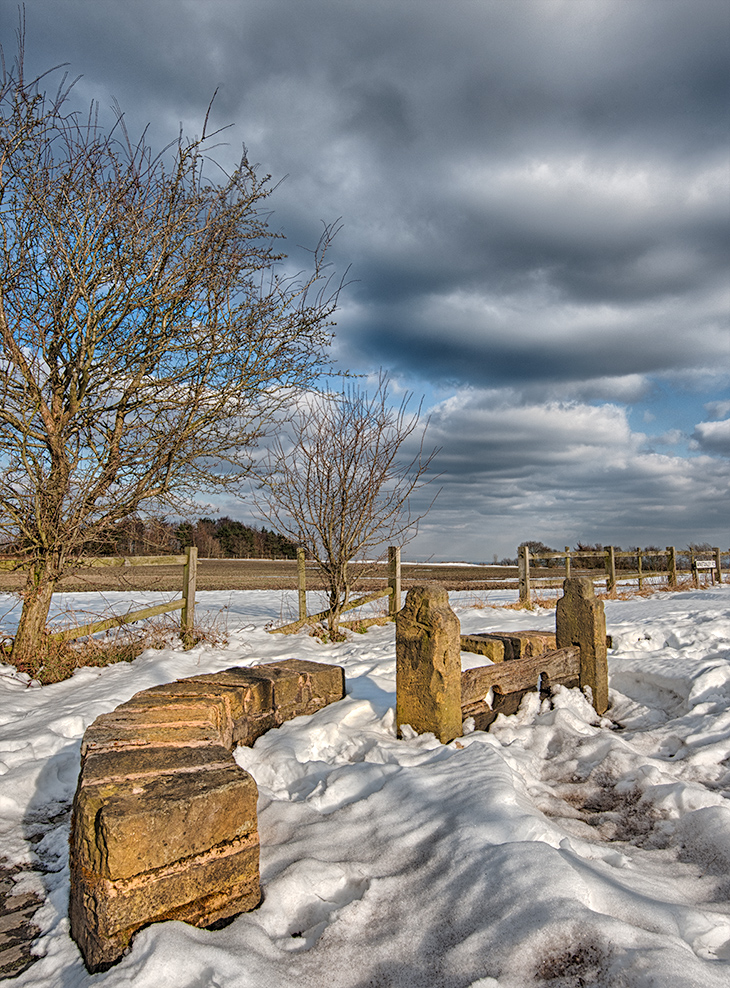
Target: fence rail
(393, 591)
(708, 562)
(185, 604)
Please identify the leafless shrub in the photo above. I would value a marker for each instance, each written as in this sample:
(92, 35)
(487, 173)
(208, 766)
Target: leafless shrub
(339, 484)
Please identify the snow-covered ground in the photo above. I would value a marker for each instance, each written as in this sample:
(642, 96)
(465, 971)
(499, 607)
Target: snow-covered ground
(556, 849)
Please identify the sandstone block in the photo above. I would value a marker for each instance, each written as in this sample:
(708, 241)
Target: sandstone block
(254, 694)
(110, 734)
(164, 821)
(144, 824)
(301, 687)
(213, 711)
(524, 644)
(182, 890)
(129, 764)
(253, 707)
(428, 664)
(193, 690)
(483, 644)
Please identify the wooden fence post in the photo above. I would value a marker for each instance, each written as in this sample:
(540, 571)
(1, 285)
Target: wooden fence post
(638, 566)
(672, 565)
(187, 615)
(718, 564)
(610, 568)
(302, 581)
(524, 574)
(567, 562)
(394, 579)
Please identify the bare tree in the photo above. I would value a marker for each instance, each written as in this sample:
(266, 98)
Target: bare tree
(149, 334)
(339, 482)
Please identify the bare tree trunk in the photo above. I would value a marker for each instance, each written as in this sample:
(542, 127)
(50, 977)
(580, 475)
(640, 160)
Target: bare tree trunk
(335, 609)
(32, 625)
(339, 595)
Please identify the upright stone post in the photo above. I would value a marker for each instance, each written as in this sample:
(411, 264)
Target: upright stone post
(428, 664)
(580, 620)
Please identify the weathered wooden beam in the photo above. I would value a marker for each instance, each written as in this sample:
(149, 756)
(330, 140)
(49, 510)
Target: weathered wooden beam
(294, 626)
(523, 561)
(115, 622)
(105, 561)
(561, 666)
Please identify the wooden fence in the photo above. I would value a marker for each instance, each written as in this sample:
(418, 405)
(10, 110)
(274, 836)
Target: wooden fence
(393, 591)
(670, 560)
(185, 604)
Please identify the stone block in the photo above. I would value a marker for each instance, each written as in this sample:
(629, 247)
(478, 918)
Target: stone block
(247, 729)
(199, 689)
(301, 687)
(123, 734)
(253, 707)
(580, 620)
(254, 694)
(144, 824)
(428, 664)
(164, 821)
(483, 644)
(524, 644)
(105, 914)
(129, 764)
(213, 711)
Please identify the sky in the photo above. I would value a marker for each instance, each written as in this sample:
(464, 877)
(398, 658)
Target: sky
(535, 203)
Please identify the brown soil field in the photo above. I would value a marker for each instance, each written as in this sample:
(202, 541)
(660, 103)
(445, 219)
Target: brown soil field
(278, 574)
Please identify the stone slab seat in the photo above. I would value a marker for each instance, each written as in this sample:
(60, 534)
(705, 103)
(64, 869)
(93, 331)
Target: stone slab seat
(507, 646)
(164, 821)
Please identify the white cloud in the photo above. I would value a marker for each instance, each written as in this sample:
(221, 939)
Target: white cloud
(718, 409)
(713, 437)
(559, 472)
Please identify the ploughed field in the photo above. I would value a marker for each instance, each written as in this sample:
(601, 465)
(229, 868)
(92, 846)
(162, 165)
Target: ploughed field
(276, 574)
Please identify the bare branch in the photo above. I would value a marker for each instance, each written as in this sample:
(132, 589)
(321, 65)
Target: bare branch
(149, 338)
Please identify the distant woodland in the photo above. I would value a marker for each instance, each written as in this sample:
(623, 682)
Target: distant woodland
(222, 538)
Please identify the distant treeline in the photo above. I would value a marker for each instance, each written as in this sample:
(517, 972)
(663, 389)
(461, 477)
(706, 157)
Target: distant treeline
(223, 538)
(684, 556)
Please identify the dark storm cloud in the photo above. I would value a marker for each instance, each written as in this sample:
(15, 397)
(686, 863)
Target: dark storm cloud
(535, 199)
